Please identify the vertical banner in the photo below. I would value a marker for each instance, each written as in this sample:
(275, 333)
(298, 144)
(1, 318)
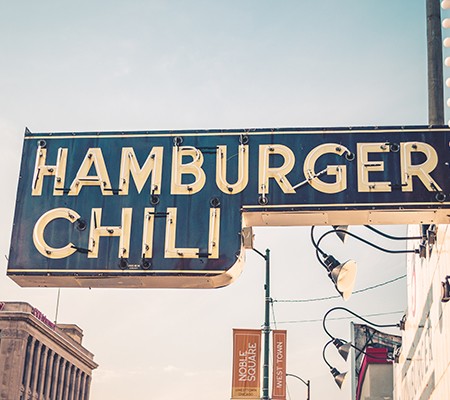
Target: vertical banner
(279, 365)
(246, 364)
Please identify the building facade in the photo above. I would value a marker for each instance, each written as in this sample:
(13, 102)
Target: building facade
(372, 364)
(39, 359)
(423, 370)
(419, 366)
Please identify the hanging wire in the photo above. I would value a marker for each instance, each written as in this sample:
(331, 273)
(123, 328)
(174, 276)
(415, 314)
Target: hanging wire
(288, 392)
(380, 284)
(273, 315)
(340, 318)
(338, 296)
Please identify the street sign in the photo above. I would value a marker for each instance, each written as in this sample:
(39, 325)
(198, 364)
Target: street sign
(166, 208)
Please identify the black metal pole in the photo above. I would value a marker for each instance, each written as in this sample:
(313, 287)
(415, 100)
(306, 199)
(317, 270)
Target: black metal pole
(266, 328)
(435, 69)
(307, 383)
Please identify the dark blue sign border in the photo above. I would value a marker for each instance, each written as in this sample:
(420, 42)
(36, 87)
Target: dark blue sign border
(285, 176)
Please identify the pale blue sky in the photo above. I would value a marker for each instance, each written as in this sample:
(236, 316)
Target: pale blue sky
(127, 65)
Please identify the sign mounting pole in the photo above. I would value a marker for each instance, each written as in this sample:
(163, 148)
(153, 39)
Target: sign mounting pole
(266, 328)
(435, 74)
(266, 325)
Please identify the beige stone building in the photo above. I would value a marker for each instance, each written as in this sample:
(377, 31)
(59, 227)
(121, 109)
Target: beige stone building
(40, 360)
(423, 370)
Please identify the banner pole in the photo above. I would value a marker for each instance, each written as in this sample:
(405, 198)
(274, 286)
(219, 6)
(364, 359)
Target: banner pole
(266, 328)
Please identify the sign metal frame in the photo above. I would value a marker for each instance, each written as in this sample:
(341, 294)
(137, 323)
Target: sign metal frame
(166, 208)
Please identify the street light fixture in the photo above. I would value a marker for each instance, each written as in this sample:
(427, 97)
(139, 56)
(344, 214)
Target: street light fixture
(445, 290)
(338, 376)
(343, 275)
(307, 383)
(344, 347)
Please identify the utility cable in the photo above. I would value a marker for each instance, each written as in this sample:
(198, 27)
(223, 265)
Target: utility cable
(379, 284)
(273, 315)
(338, 296)
(340, 318)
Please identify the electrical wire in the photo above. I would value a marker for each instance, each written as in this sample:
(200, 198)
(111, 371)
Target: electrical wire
(273, 315)
(380, 284)
(339, 318)
(338, 296)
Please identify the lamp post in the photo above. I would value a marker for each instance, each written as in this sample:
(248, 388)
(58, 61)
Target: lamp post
(307, 383)
(266, 326)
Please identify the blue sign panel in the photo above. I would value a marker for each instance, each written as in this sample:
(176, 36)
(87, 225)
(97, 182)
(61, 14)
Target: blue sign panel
(166, 209)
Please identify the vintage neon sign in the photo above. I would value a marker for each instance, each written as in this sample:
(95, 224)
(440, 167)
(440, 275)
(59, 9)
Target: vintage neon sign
(165, 209)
